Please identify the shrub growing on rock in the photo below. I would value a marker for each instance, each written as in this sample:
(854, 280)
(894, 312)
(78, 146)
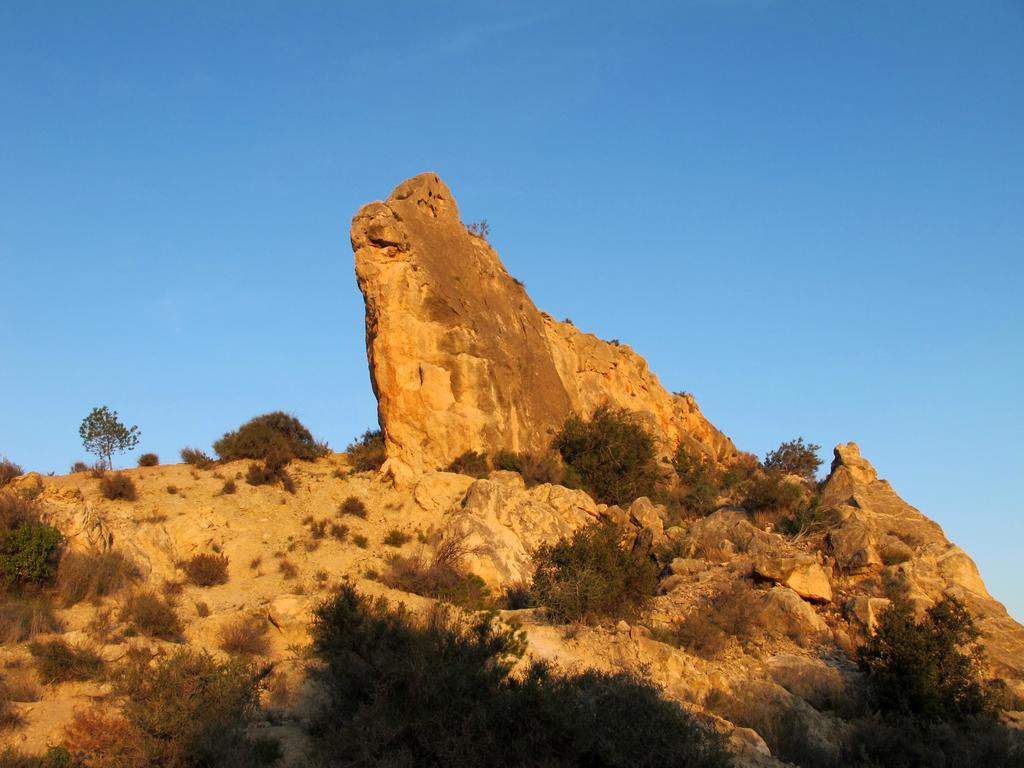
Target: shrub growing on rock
(441, 576)
(149, 460)
(470, 463)
(92, 576)
(535, 468)
(58, 662)
(591, 577)
(438, 690)
(8, 471)
(367, 451)
(196, 458)
(29, 549)
(118, 486)
(206, 569)
(276, 433)
(706, 630)
(612, 455)
(794, 458)
(22, 617)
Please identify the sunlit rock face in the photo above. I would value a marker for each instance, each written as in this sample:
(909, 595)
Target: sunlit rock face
(461, 359)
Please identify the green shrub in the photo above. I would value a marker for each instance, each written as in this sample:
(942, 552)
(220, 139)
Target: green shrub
(197, 458)
(590, 577)
(772, 496)
(611, 454)
(438, 690)
(794, 458)
(699, 488)
(118, 486)
(930, 670)
(276, 433)
(58, 662)
(149, 460)
(206, 569)
(29, 549)
(470, 463)
(367, 451)
(92, 576)
(8, 471)
(535, 468)
(150, 614)
(22, 617)
(353, 506)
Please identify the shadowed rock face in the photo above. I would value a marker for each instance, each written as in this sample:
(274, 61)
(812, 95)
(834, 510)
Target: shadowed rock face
(461, 359)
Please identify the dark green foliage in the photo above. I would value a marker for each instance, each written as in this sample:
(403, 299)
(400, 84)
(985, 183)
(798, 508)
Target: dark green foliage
(191, 710)
(699, 489)
(103, 434)
(591, 577)
(367, 451)
(118, 486)
(93, 576)
(536, 469)
(58, 662)
(353, 506)
(402, 691)
(794, 458)
(272, 433)
(8, 471)
(149, 614)
(149, 460)
(470, 463)
(197, 458)
(929, 670)
(611, 454)
(29, 549)
(206, 569)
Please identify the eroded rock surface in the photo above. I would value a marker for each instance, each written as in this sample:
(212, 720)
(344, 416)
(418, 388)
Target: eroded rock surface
(461, 359)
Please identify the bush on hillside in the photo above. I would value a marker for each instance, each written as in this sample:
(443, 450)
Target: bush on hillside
(118, 486)
(794, 458)
(29, 549)
(367, 451)
(58, 662)
(699, 487)
(930, 670)
(772, 497)
(149, 460)
(197, 458)
(245, 635)
(273, 470)
(22, 617)
(353, 505)
(206, 569)
(707, 629)
(8, 471)
(590, 577)
(79, 466)
(438, 690)
(441, 576)
(152, 615)
(612, 455)
(272, 434)
(470, 463)
(92, 576)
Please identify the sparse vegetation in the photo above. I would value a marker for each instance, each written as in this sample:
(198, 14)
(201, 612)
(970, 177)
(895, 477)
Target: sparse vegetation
(92, 576)
(441, 576)
(479, 229)
(8, 471)
(103, 434)
(287, 568)
(206, 569)
(339, 531)
(79, 466)
(612, 455)
(401, 690)
(228, 488)
(172, 489)
(149, 460)
(275, 435)
(353, 506)
(58, 662)
(794, 458)
(150, 614)
(118, 486)
(397, 538)
(197, 458)
(470, 463)
(360, 541)
(22, 617)
(273, 470)
(536, 468)
(245, 635)
(590, 577)
(367, 451)
(706, 630)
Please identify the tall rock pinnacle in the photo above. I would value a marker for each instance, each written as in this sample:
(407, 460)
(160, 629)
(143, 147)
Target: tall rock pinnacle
(461, 359)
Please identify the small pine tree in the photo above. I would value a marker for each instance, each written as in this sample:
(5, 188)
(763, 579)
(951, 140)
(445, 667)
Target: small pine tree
(103, 434)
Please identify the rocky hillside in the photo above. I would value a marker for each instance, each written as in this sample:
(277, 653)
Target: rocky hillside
(753, 628)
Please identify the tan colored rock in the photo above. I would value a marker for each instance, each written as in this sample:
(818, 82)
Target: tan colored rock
(461, 359)
(802, 573)
(783, 612)
(865, 610)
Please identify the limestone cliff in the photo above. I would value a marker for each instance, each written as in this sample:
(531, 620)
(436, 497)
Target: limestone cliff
(461, 359)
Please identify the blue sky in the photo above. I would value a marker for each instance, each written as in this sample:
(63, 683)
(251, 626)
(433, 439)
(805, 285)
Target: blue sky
(809, 214)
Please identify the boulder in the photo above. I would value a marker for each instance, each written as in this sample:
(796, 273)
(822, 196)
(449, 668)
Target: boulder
(781, 611)
(802, 573)
(460, 357)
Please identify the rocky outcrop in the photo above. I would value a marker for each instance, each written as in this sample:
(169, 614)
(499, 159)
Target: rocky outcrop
(882, 542)
(461, 359)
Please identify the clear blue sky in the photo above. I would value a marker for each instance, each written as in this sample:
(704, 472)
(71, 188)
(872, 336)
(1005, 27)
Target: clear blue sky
(810, 214)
